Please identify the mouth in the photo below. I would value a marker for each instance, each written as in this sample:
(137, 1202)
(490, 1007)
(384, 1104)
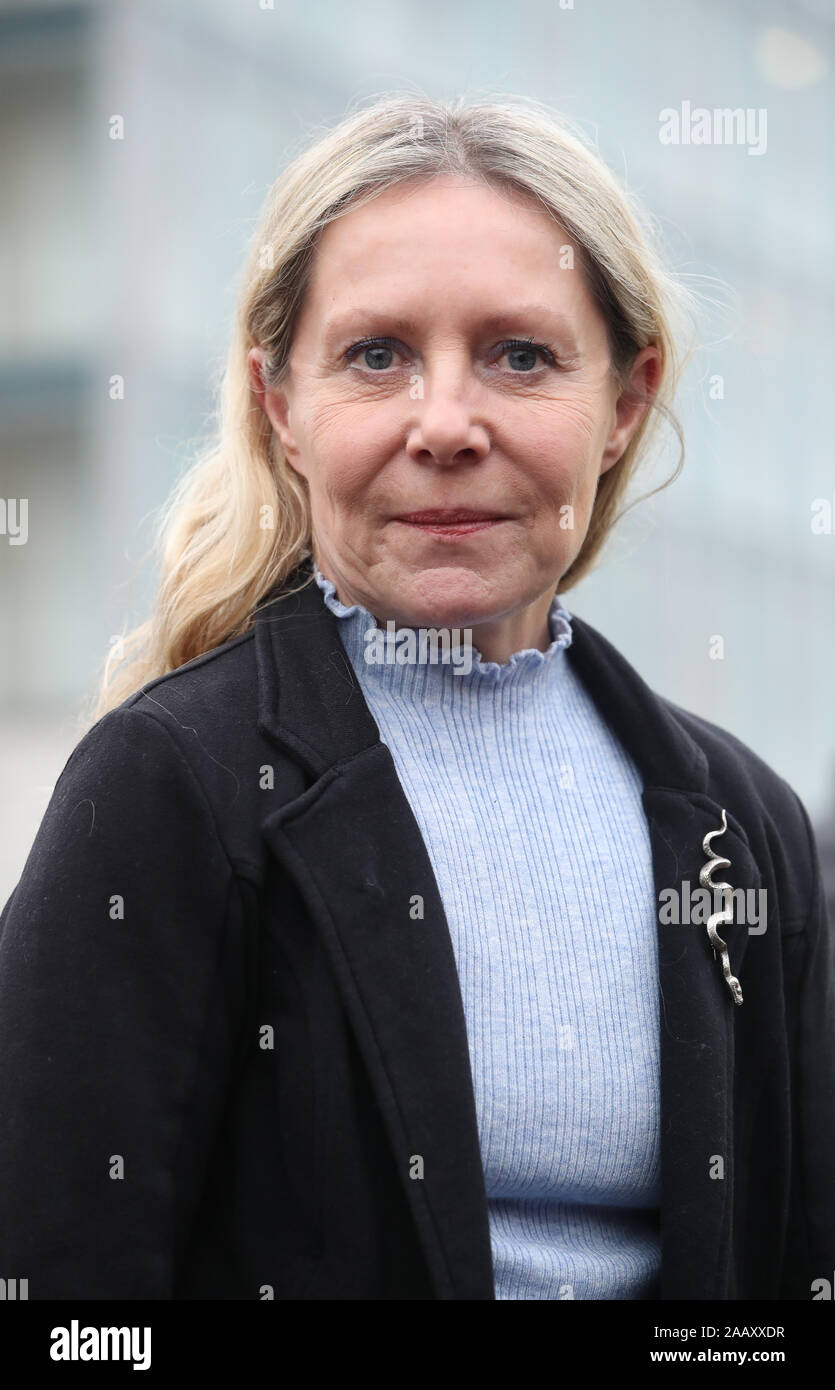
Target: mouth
(451, 521)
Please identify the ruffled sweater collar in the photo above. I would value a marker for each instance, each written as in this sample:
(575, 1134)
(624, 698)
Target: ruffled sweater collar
(522, 667)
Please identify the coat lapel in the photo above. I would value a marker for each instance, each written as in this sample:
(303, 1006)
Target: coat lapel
(353, 846)
(696, 1007)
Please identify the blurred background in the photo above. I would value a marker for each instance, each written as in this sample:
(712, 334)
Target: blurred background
(121, 256)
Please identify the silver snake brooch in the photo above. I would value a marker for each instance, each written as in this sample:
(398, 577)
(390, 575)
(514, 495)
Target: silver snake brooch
(726, 915)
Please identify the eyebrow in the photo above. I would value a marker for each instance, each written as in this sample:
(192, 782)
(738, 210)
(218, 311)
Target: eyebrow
(497, 319)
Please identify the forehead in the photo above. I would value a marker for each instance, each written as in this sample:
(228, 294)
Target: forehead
(448, 239)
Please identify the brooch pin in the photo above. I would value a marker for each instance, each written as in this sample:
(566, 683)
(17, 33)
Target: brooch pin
(726, 915)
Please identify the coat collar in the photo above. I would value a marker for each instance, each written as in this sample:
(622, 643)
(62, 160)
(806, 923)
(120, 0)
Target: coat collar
(353, 846)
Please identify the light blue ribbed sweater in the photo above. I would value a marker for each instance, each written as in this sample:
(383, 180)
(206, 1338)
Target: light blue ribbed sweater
(532, 817)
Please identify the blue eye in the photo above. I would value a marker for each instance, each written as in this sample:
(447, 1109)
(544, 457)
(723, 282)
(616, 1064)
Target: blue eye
(529, 351)
(377, 352)
(378, 358)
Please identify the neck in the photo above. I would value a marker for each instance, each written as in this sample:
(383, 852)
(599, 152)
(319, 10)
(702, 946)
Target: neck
(499, 638)
(514, 650)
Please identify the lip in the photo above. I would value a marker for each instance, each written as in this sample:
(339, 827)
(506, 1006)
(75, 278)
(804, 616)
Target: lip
(448, 516)
(451, 521)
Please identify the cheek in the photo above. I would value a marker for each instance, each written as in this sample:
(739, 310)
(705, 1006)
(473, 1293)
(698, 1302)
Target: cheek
(574, 427)
(343, 453)
(562, 446)
(568, 426)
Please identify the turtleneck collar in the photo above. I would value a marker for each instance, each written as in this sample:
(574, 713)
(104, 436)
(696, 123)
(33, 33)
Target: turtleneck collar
(464, 665)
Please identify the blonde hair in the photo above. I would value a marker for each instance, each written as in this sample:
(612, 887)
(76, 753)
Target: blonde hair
(217, 560)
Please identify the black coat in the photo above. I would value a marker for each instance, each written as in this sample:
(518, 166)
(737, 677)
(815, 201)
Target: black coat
(224, 1038)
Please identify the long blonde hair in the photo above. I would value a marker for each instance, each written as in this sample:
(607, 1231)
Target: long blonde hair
(238, 522)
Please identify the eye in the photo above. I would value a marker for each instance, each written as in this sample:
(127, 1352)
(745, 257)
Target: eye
(525, 354)
(377, 352)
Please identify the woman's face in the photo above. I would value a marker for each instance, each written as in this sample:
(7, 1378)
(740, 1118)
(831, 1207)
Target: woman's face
(408, 391)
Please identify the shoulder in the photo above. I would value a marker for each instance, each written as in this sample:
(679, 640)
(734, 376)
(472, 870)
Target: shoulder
(769, 808)
(735, 772)
(195, 706)
(208, 692)
(731, 759)
(185, 744)
(722, 766)
(724, 749)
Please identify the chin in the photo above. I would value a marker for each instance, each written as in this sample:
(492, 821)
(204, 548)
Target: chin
(447, 597)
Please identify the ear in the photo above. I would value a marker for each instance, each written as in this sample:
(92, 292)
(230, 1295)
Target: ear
(274, 402)
(632, 404)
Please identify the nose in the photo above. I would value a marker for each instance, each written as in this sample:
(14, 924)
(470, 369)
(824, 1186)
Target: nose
(445, 429)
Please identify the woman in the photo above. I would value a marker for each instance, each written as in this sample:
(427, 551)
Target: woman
(345, 964)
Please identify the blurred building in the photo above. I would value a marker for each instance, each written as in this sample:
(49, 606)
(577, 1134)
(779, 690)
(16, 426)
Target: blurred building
(119, 260)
